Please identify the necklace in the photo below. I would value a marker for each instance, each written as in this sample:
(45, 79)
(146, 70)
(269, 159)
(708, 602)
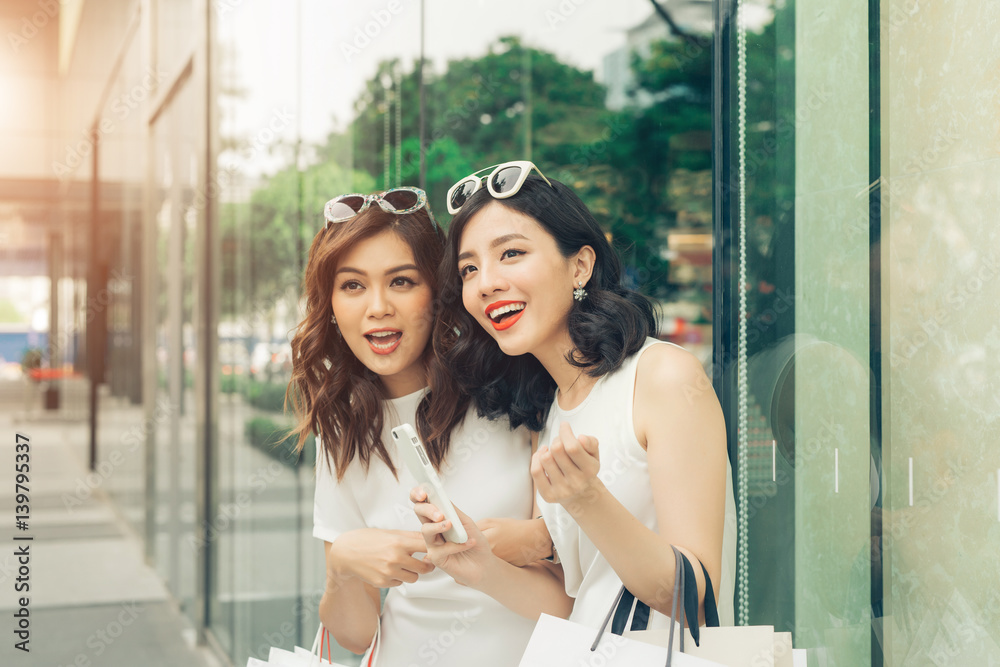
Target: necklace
(579, 375)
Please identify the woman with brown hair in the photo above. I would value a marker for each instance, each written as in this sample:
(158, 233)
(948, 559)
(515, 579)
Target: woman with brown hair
(361, 362)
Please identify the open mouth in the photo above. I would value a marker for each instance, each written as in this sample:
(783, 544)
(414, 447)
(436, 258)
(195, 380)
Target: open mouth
(384, 341)
(504, 314)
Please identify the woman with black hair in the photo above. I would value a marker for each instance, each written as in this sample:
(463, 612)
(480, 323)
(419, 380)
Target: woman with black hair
(631, 455)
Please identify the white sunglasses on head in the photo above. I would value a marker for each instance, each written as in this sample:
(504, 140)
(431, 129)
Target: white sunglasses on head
(400, 201)
(504, 181)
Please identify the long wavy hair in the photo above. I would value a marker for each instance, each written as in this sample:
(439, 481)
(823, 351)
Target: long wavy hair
(331, 392)
(607, 327)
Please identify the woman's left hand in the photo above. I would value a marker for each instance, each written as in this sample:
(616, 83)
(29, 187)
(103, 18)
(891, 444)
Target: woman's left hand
(565, 472)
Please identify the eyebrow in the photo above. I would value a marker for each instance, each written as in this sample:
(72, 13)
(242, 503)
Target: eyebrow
(500, 240)
(395, 269)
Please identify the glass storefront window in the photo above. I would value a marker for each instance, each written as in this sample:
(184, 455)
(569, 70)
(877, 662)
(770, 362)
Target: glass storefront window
(841, 352)
(803, 199)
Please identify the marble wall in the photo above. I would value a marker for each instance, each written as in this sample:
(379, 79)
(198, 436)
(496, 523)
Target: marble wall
(940, 74)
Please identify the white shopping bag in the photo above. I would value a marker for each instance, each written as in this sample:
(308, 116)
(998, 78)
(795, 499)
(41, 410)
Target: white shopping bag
(556, 642)
(738, 646)
(301, 657)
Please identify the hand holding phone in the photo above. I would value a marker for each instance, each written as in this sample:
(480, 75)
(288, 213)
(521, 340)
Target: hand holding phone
(411, 450)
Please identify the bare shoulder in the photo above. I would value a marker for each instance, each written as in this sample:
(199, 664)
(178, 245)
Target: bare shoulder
(671, 370)
(673, 395)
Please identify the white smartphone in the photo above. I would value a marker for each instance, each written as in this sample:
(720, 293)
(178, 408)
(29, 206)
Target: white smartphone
(411, 450)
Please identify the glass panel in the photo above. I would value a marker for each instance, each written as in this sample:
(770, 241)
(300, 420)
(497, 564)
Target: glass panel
(175, 218)
(122, 422)
(176, 24)
(804, 436)
(267, 572)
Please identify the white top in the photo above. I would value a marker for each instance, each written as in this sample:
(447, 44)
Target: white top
(435, 621)
(606, 414)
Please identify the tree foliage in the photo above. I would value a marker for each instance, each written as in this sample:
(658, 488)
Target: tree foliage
(512, 102)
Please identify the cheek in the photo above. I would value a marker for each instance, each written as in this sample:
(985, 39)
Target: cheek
(421, 310)
(469, 299)
(341, 308)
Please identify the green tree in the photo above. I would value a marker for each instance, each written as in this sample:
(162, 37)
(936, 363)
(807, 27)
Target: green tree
(478, 114)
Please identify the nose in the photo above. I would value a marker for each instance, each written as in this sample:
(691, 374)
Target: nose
(380, 304)
(491, 281)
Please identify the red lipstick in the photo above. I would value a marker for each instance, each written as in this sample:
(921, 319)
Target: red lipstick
(509, 320)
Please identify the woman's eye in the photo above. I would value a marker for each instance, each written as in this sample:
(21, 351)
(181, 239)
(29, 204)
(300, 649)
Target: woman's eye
(351, 285)
(511, 253)
(402, 281)
(466, 270)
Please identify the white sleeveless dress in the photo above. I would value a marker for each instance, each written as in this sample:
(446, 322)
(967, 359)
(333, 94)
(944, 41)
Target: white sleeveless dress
(606, 414)
(435, 621)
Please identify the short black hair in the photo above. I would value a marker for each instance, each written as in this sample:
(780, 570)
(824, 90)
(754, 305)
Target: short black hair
(607, 327)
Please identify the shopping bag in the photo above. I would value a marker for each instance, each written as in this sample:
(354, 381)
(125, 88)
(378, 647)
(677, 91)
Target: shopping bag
(739, 646)
(313, 657)
(557, 642)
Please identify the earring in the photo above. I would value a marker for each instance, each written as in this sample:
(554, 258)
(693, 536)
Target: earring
(579, 294)
(333, 319)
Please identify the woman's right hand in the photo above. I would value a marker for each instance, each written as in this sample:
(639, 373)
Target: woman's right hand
(467, 563)
(520, 542)
(380, 558)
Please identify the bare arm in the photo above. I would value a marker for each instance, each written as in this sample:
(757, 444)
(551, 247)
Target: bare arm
(678, 419)
(529, 591)
(349, 608)
(358, 564)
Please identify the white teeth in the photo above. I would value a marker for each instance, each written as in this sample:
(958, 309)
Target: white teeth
(509, 308)
(383, 334)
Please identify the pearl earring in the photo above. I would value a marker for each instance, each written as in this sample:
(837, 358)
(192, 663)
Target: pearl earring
(579, 294)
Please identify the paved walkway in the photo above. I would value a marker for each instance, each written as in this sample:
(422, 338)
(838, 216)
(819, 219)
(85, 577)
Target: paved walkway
(93, 601)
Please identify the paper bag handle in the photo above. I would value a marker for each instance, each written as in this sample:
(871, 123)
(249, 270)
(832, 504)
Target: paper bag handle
(684, 572)
(640, 617)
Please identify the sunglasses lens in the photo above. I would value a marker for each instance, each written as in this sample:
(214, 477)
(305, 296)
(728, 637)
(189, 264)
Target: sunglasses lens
(401, 200)
(345, 207)
(462, 193)
(505, 179)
